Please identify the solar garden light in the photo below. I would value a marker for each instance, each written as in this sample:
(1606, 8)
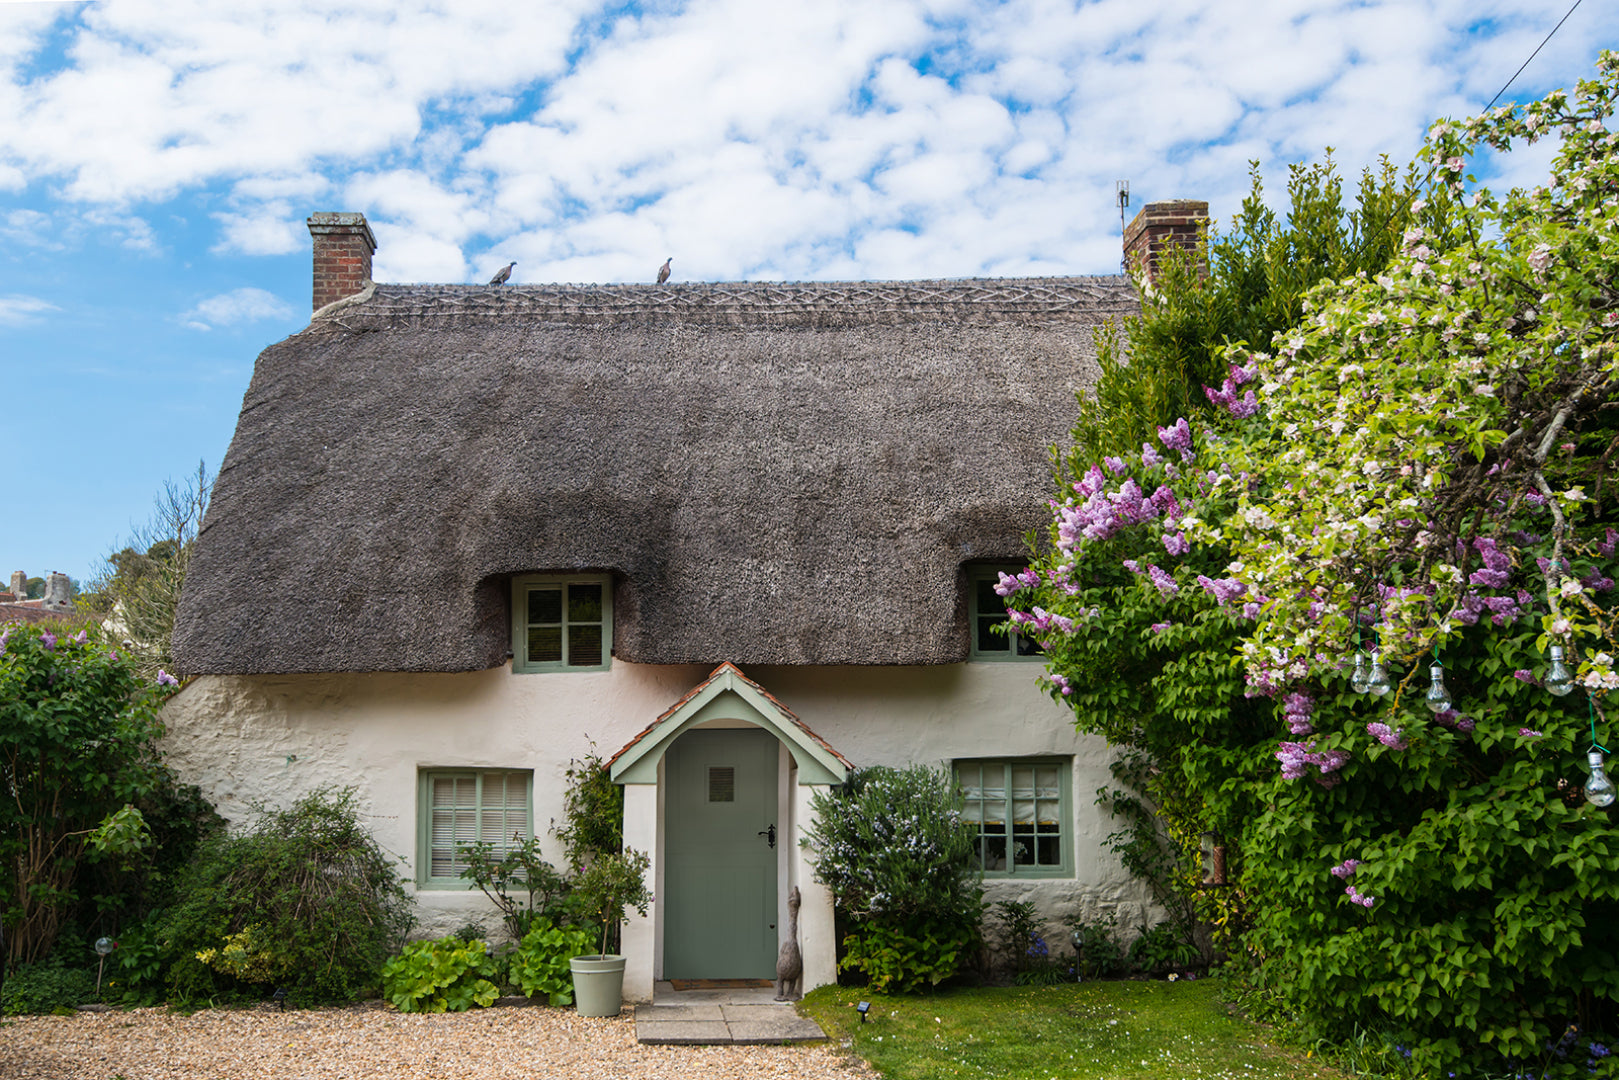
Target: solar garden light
(103, 946)
(863, 1008)
(280, 998)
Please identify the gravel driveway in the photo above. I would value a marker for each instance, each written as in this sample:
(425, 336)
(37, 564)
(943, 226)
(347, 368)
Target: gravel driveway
(373, 1042)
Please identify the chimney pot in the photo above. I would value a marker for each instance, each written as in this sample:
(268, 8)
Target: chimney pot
(1160, 226)
(343, 249)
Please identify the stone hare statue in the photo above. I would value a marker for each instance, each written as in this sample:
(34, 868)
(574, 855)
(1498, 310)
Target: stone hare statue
(790, 964)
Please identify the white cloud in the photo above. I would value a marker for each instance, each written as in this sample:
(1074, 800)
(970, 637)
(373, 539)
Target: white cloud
(16, 310)
(847, 137)
(237, 306)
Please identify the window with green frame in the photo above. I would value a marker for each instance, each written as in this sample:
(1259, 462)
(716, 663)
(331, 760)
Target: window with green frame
(461, 806)
(1019, 807)
(986, 610)
(562, 623)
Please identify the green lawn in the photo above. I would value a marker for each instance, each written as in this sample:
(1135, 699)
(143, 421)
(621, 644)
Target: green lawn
(1114, 1030)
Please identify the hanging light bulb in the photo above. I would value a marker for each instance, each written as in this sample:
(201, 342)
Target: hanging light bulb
(1377, 680)
(1559, 679)
(1438, 698)
(1599, 789)
(1361, 676)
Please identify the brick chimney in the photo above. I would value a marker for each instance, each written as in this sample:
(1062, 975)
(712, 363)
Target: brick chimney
(343, 249)
(1158, 227)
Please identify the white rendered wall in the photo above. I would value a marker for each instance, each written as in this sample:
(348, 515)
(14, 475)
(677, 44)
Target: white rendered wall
(272, 738)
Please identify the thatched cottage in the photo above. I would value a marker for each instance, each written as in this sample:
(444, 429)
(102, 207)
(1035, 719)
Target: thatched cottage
(737, 537)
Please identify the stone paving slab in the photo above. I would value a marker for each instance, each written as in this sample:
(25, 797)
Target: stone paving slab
(682, 1032)
(723, 1025)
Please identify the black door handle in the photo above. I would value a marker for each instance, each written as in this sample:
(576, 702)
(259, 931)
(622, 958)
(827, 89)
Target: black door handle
(769, 835)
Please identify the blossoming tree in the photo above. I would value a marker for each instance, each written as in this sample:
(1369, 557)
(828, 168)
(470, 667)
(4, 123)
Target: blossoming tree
(1324, 617)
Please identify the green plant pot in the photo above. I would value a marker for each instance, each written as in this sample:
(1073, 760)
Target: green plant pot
(598, 984)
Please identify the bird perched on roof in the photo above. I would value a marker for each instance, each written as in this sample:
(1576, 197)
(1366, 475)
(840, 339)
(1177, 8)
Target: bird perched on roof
(504, 275)
(663, 271)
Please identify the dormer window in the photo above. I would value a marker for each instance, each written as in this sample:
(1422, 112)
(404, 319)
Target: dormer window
(987, 610)
(562, 622)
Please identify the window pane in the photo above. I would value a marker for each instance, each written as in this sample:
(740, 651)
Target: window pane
(585, 603)
(1025, 647)
(584, 646)
(545, 606)
(989, 601)
(544, 643)
(1016, 807)
(988, 640)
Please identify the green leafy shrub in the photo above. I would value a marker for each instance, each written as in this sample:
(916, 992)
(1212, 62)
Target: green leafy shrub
(1097, 952)
(611, 883)
(304, 899)
(448, 975)
(539, 964)
(1162, 947)
(898, 855)
(593, 818)
(46, 988)
(506, 874)
(905, 955)
(78, 750)
(1018, 931)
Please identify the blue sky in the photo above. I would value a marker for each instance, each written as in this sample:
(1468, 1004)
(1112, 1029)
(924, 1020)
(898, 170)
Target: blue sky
(158, 159)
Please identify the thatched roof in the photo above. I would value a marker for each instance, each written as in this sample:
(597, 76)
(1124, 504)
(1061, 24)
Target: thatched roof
(774, 473)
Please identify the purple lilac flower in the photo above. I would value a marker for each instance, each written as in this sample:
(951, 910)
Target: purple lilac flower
(1606, 547)
(1160, 627)
(1114, 465)
(1296, 757)
(1240, 407)
(1178, 437)
(1528, 733)
(1595, 581)
(5, 636)
(1176, 544)
(1062, 684)
(1165, 502)
(1527, 676)
(1296, 710)
(1345, 869)
(1132, 566)
(1386, 735)
(81, 637)
(1356, 898)
(48, 640)
(1224, 590)
(1165, 584)
(1150, 458)
(165, 679)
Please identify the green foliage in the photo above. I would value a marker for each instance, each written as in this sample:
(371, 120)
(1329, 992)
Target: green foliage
(593, 811)
(1244, 285)
(904, 955)
(1163, 947)
(135, 969)
(448, 975)
(540, 963)
(78, 735)
(502, 872)
(1432, 877)
(1097, 952)
(893, 842)
(1018, 926)
(46, 988)
(611, 883)
(139, 587)
(305, 894)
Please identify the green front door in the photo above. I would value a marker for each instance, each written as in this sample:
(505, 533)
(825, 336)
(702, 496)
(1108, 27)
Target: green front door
(719, 867)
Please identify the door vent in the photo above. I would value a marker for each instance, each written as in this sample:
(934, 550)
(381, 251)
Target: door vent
(721, 783)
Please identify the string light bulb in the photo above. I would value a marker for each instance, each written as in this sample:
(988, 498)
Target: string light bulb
(1377, 679)
(1437, 698)
(1361, 677)
(1559, 679)
(1599, 790)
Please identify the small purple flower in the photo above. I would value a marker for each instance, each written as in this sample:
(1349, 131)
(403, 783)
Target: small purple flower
(1386, 735)
(1177, 437)
(165, 679)
(1345, 869)
(81, 637)
(48, 640)
(1525, 675)
(1150, 458)
(1062, 684)
(1160, 627)
(1356, 898)
(1528, 733)
(1114, 465)
(1177, 544)
(5, 636)
(1165, 584)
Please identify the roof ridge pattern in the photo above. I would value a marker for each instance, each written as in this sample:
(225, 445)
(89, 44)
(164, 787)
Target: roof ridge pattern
(981, 299)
